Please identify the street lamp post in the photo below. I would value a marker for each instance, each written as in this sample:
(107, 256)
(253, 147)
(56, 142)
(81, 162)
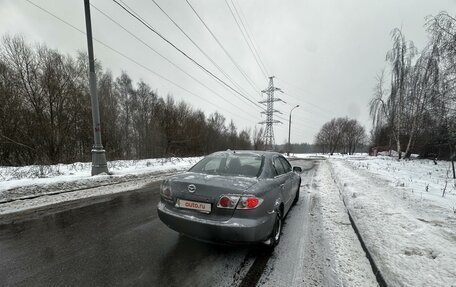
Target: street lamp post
(99, 164)
(289, 130)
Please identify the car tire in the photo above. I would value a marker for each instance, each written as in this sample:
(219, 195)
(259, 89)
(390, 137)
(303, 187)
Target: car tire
(276, 232)
(297, 194)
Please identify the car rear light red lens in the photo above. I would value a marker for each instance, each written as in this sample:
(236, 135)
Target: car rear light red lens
(245, 202)
(252, 202)
(224, 202)
(249, 202)
(228, 201)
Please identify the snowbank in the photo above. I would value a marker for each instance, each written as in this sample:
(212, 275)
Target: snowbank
(350, 262)
(406, 224)
(31, 181)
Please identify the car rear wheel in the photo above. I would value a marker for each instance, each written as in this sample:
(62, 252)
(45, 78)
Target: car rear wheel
(276, 232)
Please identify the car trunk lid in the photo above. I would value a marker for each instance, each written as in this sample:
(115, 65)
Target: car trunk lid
(207, 189)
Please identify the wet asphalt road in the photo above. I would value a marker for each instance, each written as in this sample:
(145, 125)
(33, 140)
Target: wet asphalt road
(120, 242)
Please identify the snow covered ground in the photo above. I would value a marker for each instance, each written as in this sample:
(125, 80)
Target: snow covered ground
(30, 189)
(407, 225)
(31, 181)
(405, 222)
(318, 246)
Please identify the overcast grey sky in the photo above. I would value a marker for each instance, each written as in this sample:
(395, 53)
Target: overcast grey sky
(325, 54)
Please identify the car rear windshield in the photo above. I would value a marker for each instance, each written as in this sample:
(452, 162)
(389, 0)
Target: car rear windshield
(247, 165)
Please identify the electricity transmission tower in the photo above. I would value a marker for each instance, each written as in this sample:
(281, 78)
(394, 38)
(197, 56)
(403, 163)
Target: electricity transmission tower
(268, 135)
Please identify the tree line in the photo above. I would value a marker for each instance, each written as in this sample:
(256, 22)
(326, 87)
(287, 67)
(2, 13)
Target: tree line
(413, 109)
(45, 113)
(342, 135)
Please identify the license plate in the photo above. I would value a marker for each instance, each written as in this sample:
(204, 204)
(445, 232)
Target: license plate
(200, 206)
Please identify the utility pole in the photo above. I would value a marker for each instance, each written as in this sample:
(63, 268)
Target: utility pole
(268, 135)
(99, 164)
(289, 130)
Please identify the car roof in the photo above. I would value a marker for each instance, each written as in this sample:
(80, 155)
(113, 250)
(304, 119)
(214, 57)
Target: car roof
(251, 152)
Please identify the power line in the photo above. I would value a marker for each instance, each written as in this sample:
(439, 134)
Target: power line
(57, 17)
(317, 110)
(243, 34)
(128, 58)
(165, 58)
(221, 45)
(308, 104)
(249, 34)
(301, 89)
(252, 38)
(125, 56)
(199, 48)
(236, 93)
(303, 122)
(183, 53)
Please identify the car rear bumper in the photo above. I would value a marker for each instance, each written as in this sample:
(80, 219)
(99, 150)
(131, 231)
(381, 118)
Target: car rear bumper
(236, 230)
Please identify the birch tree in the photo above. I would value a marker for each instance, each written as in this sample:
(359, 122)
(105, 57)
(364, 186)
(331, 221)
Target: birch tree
(400, 59)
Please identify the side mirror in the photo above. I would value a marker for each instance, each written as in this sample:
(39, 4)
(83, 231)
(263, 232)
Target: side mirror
(297, 169)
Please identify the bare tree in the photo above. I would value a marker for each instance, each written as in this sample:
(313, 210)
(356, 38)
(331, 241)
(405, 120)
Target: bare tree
(400, 57)
(380, 110)
(424, 91)
(353, 135)
(341, 134)
(45, 114)
(244, 140)
(258, 143)
(442, 29)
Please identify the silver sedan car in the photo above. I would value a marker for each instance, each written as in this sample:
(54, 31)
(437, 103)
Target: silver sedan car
(231, 196)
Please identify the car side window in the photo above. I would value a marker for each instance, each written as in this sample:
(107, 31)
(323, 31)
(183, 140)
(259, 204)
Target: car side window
(286, 164)
(213, 164)
(278, 166)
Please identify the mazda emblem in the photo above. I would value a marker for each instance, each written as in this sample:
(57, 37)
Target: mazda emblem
(191, 188)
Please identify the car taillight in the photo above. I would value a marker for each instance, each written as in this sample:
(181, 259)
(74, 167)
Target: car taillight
(249, 202)
(224, 201)
(228, 201)
(238, 202)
